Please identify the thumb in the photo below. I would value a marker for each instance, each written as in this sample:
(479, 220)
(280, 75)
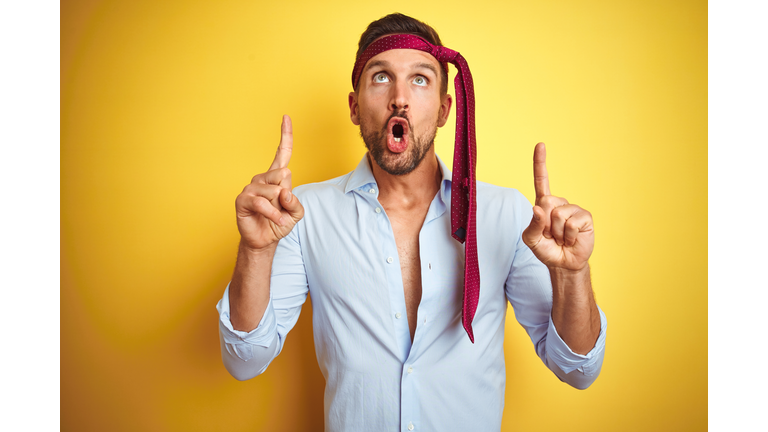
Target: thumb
(533, 234)
(291, 204)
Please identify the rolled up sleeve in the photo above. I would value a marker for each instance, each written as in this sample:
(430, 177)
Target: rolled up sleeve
(248, 354)
(240, 343)
(567, 360)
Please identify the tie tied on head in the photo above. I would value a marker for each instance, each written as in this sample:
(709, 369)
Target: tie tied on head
(463, 199)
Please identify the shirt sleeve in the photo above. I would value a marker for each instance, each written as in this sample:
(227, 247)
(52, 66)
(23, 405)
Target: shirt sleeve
(529, 291)
(248, 354)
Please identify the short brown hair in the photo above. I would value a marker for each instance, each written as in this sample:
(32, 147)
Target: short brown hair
(398, 23)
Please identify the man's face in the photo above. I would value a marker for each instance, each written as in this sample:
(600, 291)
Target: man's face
(399, 108)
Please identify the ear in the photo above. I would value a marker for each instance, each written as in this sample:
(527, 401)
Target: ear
(445, 109)
(354, 109)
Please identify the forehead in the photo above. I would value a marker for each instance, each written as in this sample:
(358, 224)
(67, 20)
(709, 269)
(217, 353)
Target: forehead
(403, 59)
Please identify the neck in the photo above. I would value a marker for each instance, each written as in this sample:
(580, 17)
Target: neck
(412, 189)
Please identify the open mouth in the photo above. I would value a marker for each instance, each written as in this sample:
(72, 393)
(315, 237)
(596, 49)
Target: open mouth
(397, 138)
(397, 132)
(398, 127)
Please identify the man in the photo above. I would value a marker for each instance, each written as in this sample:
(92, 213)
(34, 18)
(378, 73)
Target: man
(377, 250)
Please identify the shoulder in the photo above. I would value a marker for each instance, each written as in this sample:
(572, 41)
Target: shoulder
(328, 206)
(490, 194)
(502, 203)
(326, 199)
(322, 190)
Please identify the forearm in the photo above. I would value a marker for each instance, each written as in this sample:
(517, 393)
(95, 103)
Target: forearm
(574, 311)
(251, 331)
(249, 289)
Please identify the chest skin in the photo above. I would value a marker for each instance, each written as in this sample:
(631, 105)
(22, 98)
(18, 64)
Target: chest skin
(406, 226)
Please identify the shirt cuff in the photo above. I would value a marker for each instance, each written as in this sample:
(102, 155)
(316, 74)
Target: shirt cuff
(240, 343)
(568, 360)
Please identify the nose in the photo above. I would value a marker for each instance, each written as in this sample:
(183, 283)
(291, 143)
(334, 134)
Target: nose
(400, 96)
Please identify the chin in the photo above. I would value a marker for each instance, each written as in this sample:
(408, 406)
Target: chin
(397, 163)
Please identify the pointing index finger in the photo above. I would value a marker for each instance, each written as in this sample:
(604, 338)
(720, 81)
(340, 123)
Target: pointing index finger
(540, 175)
(284, 150)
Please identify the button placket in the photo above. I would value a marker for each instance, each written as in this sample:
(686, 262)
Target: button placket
(388, 249)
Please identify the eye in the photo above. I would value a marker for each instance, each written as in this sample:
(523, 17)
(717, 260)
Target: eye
(420, 81)
(380, 77)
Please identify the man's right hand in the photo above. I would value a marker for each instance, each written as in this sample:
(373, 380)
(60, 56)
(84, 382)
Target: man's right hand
(266, 209)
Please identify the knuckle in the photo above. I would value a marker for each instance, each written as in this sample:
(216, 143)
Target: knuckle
(268, 191)
(274, 192)
(259, 203)
(257, 179)
(581, 214)
(263, 206)
(551, 201)
(243, 198)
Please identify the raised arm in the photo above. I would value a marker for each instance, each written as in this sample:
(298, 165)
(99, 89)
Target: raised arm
(266, 212)
(561, 236)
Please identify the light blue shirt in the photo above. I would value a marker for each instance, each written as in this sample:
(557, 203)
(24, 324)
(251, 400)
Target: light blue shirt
(343, 253)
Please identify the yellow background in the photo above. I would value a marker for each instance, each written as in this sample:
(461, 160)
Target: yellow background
(169, 108)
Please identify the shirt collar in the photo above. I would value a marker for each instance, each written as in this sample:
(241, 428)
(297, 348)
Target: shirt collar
(362, 176)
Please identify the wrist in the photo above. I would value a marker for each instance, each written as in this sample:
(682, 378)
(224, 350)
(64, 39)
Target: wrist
(256, 253)
(569, 277)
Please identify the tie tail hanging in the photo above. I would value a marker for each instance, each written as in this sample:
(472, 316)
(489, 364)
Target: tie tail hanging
(465, 159)
(469, 91)
(466, 319)
(463, 182)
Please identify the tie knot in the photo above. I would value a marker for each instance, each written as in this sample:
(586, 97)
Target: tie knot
(443, 54)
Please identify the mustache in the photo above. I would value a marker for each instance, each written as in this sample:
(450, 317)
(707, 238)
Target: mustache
(401, 114)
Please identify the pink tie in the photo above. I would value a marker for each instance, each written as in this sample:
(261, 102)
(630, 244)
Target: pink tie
(463, 200)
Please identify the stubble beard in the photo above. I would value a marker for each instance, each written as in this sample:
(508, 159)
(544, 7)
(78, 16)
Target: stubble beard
(396, 164)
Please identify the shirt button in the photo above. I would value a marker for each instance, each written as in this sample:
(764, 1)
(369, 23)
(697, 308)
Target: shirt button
(410, 426)
(378, 209)
(372, 191)
(397, 315)
(389, 260)
(410, 369)
(430, 266)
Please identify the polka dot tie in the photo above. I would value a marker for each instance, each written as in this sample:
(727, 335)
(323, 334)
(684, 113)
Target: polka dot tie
(463, 200)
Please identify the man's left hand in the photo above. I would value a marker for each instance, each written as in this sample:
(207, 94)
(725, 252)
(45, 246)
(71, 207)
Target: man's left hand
(561, 235)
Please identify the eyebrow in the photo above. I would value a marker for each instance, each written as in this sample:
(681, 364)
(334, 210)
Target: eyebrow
(384, 63)
(374, 64)
(428, 66)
